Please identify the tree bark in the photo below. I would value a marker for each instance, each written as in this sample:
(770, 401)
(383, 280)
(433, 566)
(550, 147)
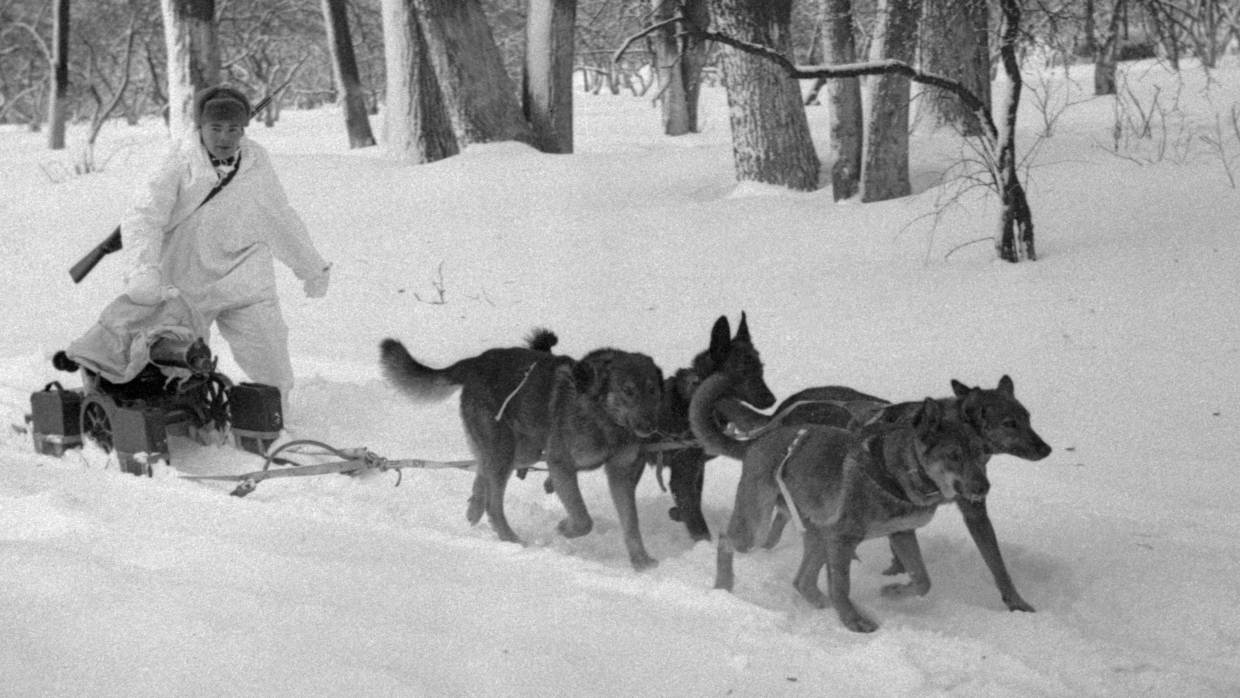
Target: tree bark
(1104, 59)
(884, 171)
(955, 44)
(416, 125)
(547, 89)
(1014, 241)
(58, 101)
(844, 99)
(348, 80)
(771, 141)
(193, 56)
(480, 98)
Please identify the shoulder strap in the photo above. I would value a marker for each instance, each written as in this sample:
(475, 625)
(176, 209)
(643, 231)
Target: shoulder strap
(223, 182)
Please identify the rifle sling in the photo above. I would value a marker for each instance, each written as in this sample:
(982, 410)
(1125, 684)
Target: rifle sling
(223, 182)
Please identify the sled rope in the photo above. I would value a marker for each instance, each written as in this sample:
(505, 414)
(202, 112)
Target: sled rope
(499, 415)
(783, 486)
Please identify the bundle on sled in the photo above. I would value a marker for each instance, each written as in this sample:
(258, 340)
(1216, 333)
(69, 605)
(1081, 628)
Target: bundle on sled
(147, 373)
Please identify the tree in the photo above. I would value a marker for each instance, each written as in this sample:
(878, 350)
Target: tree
(193, 55)
(547, 84)
(59, 92)
(955, 43)
(416, 125)
(884, 169)
(348, 82)
(1014, 238)
(844, 99)
(679, 59)
(478, 94)
(771, 141)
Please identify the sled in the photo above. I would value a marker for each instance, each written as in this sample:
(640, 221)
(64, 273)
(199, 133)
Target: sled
(135, 418)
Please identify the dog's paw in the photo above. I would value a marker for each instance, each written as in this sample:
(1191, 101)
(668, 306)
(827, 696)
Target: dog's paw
(904, 591)
(473, 513)
(574, 529)
(857, 623)
(1015, 603)
(643, 562)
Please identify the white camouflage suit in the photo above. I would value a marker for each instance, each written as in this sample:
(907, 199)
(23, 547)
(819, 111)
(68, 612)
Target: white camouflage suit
(216, 257)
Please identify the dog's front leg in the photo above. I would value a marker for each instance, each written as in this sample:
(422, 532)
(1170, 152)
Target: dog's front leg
(564, 481)
(908, 554)
(622, 480)
(841, 549)
(977, 520)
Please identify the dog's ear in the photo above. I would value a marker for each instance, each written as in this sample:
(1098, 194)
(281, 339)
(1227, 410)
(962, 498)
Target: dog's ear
(1006, 386)
(720, 341)
(969, 407)
(960, 389)
(928, 418)
(742, 331)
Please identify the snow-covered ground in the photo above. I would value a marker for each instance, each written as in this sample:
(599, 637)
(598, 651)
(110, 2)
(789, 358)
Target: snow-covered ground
(1123, 341)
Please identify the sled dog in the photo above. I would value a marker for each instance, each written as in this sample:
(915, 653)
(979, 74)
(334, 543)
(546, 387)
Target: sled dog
(845, 486)
(521, 405)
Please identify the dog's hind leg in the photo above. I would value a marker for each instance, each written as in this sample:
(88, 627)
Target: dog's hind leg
(622, 480)
(725, 577)
(494, 448)
(688, 477)
(777, 528)
(564, 482)
(813, 558)
(908, 553)
(977, 520)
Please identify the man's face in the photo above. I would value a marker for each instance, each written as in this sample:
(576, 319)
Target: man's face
(222, 138)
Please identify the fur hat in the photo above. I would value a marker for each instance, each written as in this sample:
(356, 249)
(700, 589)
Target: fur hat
(221, 104)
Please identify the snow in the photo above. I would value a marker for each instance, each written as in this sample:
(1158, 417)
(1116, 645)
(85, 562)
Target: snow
(1123, 341)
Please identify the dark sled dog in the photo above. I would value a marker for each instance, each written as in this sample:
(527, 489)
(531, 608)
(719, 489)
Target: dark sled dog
(994, 414)
(522, 405)
(844, 486)
(687, 465)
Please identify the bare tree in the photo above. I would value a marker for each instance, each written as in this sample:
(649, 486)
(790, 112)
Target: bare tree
(193, 55)
(884, 169)
(1014, 237)
(547, 84)
(416, 125)
(844, 98)
(59, 92)
(348, 81)
(771, 141)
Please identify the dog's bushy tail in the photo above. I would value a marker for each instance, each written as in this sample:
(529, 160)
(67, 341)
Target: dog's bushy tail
(421, 383)
(541, 339)
(705, 425)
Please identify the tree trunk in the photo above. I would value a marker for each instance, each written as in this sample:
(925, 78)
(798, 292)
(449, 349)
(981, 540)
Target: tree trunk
(480, 97)
(1014, 241)
(884, 173)
(59, 94)
(844, 98)
(416, 124)
(678, 64)
(1104, 63)
(348, 80)
(193, 56)
(669, 80)
(955, 44)
(548, 79)
(771, 141)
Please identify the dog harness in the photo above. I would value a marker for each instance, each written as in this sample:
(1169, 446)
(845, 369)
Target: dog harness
(783, 486)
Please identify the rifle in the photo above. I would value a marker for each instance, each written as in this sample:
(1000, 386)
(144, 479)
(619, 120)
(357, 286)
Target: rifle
(112, 243)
